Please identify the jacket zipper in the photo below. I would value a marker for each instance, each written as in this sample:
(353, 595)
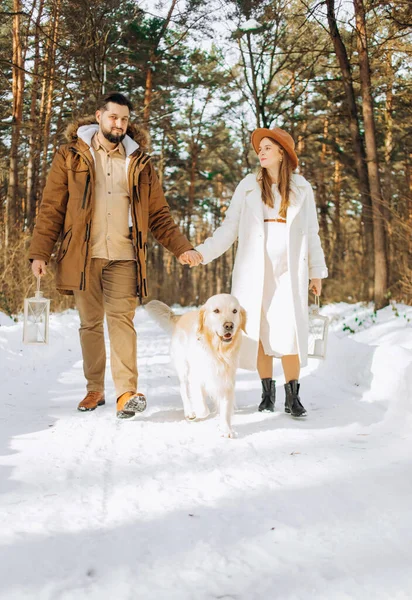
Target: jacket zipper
(88, 225)
(139, 265)
(86, 190)
(86, 239)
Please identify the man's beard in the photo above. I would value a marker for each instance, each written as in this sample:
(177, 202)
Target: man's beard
(113, 138)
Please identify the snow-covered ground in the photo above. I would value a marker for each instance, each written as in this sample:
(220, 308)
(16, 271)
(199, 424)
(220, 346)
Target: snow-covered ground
(159, 509)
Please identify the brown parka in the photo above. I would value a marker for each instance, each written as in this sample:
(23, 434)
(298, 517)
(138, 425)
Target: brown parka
(67, 210)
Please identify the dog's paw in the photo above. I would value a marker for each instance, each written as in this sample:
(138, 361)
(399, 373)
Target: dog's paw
(191, 417)
(202, 414)
(228, 433)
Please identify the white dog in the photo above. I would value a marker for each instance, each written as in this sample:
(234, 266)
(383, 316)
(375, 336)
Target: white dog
(205, 348)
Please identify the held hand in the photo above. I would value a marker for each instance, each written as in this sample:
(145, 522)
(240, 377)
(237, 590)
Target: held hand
(191, 258)
(39, 268)
(315, 286)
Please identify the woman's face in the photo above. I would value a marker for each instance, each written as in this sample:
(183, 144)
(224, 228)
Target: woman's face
(270, 154)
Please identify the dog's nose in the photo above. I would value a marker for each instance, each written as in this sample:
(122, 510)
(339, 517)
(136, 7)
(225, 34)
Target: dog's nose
(228, 326)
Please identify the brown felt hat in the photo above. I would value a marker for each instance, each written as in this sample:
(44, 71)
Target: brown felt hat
(280, 136)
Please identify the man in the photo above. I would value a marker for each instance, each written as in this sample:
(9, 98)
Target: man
(102, 194)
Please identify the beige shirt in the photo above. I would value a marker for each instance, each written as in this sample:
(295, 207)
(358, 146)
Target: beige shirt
(110, 236)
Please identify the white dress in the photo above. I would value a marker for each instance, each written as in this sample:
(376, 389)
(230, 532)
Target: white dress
(277, 325)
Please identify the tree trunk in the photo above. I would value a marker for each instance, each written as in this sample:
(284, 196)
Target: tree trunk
(186, 282)
(303, 127)
(12, 207)
(148, 93)
(380, 254)
(408, 172)
(162, 159)
(321, 195)
(358, 148)
(337, 255)
(388, 206)
(259, 110)
(407, 270)
(60, 124)
(34, 151)
(51, 69)
(192, 189)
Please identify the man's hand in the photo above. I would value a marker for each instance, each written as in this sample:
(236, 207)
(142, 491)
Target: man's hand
(191, 258)
(39, 268)
(315, 286)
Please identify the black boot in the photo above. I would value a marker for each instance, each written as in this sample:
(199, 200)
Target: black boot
(268, 395)
(293, 404)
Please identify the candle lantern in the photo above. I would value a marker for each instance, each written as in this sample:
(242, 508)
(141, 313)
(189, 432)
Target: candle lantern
(318, 332)
(36, 318)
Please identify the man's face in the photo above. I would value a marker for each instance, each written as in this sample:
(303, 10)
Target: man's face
(113, 122)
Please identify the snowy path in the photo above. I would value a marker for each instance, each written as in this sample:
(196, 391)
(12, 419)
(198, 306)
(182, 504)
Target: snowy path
(160, 509)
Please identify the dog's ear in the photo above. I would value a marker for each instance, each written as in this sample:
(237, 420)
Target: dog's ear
(201, 321)
(243, 319)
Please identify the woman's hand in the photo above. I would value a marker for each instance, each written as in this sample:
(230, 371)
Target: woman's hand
(315, 286)
(191, 258)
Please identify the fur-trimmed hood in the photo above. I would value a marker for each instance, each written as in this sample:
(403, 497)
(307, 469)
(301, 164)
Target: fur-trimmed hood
(136, 133)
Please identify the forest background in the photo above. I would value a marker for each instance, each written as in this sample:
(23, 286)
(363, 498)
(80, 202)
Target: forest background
(202, 75)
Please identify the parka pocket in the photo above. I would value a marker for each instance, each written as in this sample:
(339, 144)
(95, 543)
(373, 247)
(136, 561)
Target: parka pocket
(65, 245)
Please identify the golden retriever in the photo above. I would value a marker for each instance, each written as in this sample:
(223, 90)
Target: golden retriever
(205, 348)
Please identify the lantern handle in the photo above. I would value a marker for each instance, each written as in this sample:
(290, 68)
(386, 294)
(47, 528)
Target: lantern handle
(38, 293)
(317, 301)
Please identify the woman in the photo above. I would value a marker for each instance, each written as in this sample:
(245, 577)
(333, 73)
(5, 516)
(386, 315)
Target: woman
(273, 215)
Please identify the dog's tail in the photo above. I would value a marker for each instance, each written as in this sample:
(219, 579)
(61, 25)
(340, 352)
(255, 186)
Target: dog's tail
(162, 314)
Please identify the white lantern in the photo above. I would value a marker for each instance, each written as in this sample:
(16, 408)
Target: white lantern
(318, 332)
(36, 318)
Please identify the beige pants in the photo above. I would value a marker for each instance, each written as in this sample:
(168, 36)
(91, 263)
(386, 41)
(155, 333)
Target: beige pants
(111, 290)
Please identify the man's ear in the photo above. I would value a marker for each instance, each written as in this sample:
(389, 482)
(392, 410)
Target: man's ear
(243, 319)
(98, 115)
(201, 321)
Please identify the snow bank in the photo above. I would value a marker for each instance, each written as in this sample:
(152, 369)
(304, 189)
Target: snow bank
(391, 380)
(372, 351)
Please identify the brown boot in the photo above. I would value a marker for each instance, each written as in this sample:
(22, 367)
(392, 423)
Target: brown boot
(130, 403)
(91, 401)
